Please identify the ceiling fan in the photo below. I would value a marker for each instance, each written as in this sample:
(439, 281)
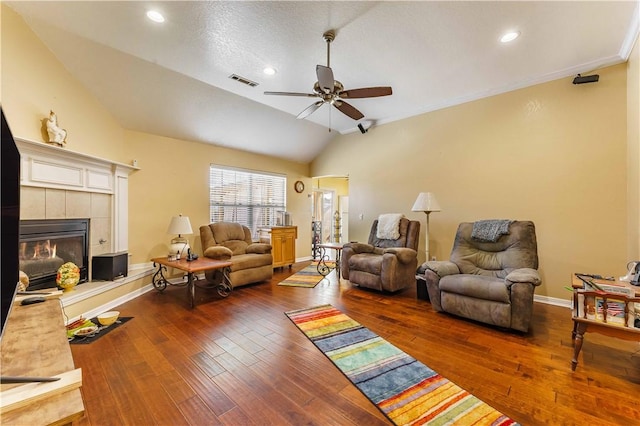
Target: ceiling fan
(332, 92)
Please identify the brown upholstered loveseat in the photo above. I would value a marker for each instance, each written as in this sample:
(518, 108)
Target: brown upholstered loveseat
(252, 262)
(487, 281)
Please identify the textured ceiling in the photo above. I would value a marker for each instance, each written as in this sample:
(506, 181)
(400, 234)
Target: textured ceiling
(172, 79)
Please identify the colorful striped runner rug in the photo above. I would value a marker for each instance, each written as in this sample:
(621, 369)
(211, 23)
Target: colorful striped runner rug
(307, 277)
(405, 390)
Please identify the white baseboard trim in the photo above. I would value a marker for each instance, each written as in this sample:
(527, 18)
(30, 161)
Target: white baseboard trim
(114, 303)
(94, 288)
(125, 298)
(552, 301)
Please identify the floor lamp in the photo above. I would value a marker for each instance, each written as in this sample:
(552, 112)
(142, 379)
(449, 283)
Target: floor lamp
(426, 202)
(179, 225)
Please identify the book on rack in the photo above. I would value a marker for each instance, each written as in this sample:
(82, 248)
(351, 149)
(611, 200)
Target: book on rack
(614, 309)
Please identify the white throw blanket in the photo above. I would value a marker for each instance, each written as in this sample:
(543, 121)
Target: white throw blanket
(389, 226)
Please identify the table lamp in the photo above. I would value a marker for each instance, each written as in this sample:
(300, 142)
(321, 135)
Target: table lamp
(426, 202)
(179, 225)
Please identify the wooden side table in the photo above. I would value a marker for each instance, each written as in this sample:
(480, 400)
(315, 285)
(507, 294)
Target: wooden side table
(590, 307)
(191, 268)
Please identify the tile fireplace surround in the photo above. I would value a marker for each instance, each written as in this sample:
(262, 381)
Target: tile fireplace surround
(57, 183)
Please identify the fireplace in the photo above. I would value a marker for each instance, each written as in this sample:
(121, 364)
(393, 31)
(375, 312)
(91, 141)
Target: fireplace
(47, 244)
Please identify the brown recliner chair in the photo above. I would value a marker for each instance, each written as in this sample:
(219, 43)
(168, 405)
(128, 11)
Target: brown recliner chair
(383, 264)
(251, 262)
(491, 275)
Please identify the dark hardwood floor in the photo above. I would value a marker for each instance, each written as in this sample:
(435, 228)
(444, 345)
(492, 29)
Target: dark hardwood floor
(240, 361)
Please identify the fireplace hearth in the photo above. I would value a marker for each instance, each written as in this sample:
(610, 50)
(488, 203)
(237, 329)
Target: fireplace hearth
(47, 244)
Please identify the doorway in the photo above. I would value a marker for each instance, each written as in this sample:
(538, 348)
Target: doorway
(329, 206)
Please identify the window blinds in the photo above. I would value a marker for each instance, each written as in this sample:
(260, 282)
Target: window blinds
(248, 197)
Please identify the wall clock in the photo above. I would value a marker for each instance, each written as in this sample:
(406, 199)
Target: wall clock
(298, 186)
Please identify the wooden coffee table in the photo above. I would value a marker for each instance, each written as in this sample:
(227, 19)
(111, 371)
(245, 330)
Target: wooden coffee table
(191, 268)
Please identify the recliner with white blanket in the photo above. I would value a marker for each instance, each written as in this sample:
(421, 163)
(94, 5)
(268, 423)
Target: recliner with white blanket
(389, 261)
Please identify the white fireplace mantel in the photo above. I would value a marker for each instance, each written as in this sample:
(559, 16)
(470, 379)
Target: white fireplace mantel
(50, 166)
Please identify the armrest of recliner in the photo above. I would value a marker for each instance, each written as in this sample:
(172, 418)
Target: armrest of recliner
(523, 275)
(360, 247)
(404, 255)
(441, 267)
(259, 248)
(218, 253)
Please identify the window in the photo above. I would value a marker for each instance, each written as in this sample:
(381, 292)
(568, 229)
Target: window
(248, 197)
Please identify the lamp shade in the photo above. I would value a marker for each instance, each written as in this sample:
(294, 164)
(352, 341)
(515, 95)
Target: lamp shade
(180, 225)
(426, 202)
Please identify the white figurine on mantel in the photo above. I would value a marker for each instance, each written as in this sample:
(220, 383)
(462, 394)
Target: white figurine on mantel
(56, 134)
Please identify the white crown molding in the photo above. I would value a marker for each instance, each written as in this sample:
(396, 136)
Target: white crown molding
(632, 36)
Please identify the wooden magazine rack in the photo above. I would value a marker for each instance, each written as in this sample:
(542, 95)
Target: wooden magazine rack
(609, 307)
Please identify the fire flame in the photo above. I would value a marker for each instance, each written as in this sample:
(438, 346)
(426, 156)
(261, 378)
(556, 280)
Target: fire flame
(44, 250)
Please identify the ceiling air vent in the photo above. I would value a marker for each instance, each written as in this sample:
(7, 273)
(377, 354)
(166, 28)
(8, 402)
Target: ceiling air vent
(243, 80)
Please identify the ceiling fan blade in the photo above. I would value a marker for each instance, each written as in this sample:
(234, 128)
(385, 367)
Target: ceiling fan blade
(325, 78)
(306, 95)
(366, 92)
(309, 110)
(348, 110)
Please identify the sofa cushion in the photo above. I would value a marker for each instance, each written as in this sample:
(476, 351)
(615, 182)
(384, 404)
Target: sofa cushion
(225, 231)
(260, 248)
(518, 249)
(366, 262)
(408, 229)
(238, 247)
(218, 253)
(247, 261)
(476, 286)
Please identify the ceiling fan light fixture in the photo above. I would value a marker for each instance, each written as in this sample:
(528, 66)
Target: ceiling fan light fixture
(509, 36)
(155, 16)
(331, 91)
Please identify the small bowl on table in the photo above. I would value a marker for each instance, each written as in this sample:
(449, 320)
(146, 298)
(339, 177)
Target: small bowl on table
(107, 318)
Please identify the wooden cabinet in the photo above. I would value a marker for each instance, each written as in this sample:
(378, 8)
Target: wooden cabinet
(283, 241)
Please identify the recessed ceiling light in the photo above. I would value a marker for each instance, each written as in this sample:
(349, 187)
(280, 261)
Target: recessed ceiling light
(269, 71)
(510, 36)
(155, 16)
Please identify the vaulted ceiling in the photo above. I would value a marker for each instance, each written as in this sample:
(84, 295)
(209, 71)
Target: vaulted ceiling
(172, 79)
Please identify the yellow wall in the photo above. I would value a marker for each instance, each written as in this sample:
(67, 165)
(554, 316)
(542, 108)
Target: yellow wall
(175, 179)
(34, 82)
(552, 153)
(339, 184)
(633, 152)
